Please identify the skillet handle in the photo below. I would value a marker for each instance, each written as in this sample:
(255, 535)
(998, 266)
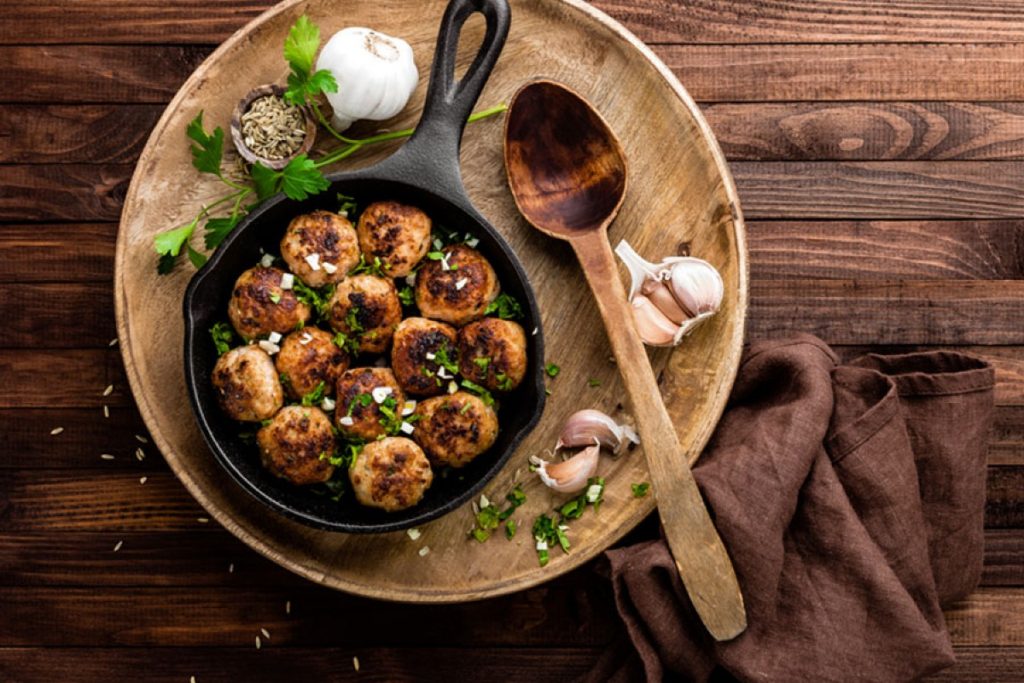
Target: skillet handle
(432, 153)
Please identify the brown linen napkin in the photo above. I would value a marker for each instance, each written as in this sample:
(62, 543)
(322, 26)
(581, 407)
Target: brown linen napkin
(846, 495)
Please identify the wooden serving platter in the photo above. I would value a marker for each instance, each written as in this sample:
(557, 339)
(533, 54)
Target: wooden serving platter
(681, 198)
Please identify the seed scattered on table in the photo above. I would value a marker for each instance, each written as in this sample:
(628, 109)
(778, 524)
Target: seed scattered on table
(414, 534)
(106, 456)
(424, 550)
(288, 607)
(109, 390)
(142, 480)
(106, 411)
(266, 633)
(202, 520)
(141, 439)
(231, 568)
(118, 546)
(140, 454)
(355, 663)
(56, 430)
(258, 643)
(113, 342)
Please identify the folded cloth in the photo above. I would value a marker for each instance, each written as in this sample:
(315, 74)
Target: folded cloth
(851, 500)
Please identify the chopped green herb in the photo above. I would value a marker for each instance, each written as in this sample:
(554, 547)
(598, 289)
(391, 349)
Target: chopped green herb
(504, 382)
(552, 370)
(407, 296)
(223, 336)
(490, 517)
(593, 382)
(480, 391)
(378, 267)
(464, 409)
(442, 358)
(352, 320)
(346, 343)
(266, 423)
(505, 306)
(435, 255)
(275, 297)
(284, 379)
(640, 490)
(316, 396)
(300, 50)
(390, 418)
(362, 400)
(347, 206)
(483, 362)
(510, 529)
(315, 299)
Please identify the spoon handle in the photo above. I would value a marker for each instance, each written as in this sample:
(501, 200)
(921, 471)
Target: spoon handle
(701, 558)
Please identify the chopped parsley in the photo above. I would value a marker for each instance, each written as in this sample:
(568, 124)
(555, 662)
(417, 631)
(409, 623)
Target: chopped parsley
(640, 490)
(346, 343)
(347, 206)
(407, 296)
(490, 517)
(593, 382)
(318, 300)
(316, 396)
(391, 419)
(442, 358)
(352, 320)
(482, 362)
(275, 297)
(480, 391)
(505, 306)
(510, 529)
(223, 336)
(504, 382)
(377, 267)
(552, 370)
(547, 533)
(362, 400)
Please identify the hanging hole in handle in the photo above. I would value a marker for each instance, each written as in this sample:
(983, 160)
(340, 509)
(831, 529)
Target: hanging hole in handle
(471, 37)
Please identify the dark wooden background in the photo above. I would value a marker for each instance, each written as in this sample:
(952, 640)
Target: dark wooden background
(878, 146)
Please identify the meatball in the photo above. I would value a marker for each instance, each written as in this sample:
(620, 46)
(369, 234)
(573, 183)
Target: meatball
(396, 233)
(455, 429)
(328, 240)
(259, 306)
(492, 352)
(391, 474)
(296, 445)
(357, 414)
(422, 348)
(365, 308)
(457, 288)
(246, 384)
(307, 358)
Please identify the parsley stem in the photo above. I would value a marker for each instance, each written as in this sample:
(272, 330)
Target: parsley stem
(327, 124)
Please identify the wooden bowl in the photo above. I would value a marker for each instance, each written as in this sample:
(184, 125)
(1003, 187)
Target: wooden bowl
(239, 139)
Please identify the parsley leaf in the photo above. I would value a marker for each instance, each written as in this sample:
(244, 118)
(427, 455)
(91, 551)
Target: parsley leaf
(222, 335)
(316, 396)
(198, 259)
(300, 50)
(407, 296)
(482, 362)
(505, 306)
(217, 229)
(264, 179)
(378, 267)
(346, 343)
(552, 370)
(640, 490)
(479, 391)
(170, 243)
(504, 382)
(442, 358)
(208, 149)
(300, 178)
(347, 206)
(593, 382)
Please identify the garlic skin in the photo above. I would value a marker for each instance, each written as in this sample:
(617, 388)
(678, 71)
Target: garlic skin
(376, 75)
(587, 426)
(670, 299)
(569, 476)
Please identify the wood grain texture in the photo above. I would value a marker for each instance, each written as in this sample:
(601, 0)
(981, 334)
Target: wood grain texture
(868, 131)
(87, 434)
(656, 21)
(74, 133)
(63, 192)
(83, 375)
(57, 252)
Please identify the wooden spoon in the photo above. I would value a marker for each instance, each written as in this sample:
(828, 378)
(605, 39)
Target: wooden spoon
(567, 172)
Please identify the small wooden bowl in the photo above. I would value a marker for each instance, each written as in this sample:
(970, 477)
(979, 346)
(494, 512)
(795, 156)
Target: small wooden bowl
(239, 139)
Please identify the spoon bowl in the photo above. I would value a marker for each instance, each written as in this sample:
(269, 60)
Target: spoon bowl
(567, 172)
(566, 168)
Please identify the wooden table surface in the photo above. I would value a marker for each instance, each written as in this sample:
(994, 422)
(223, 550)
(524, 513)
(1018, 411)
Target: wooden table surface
(878, 148)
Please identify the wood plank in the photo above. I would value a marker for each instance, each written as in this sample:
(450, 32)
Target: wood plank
(67, 74)
(874, 72)
(868, 131)
(989, 616)
(886, 250)
(982, 665)
(75, 378)
(87, 434)
(63, 192)
(659, 21)
(113, 501)
(74, 74)
(51, 315)
(931, 312)
(175, 665)
(204, 556)
(575, 610)
(66, 252)
(769, 190)
(113, 134)
(880, 189)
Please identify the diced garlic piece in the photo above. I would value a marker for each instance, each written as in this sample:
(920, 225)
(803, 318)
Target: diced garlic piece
(593, 493)
(287, 281)
(430, 355)
(305, 338)
(274, 337)
(269, 347)
(381, 393)
(328, 404)
(452, 387)
(414, 534)
(346, 421)
(267, 260)
(314, 261)
(542, 545)
(408, 408)
(329, 268)
(410, 279)
(459, 284)
(484, 501)
(472, 243)
(407, 428)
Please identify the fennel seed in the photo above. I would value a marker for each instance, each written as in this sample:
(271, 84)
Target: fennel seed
(272, 128)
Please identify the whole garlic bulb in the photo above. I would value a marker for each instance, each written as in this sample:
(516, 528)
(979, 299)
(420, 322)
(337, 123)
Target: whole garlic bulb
(376, 75)
(670, 298)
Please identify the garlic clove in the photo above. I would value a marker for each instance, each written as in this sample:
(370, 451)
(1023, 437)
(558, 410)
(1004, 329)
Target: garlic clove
(696, 285)
(640, 269)
(586, 426)
(661, 296)
(569, 476)
(652, 325)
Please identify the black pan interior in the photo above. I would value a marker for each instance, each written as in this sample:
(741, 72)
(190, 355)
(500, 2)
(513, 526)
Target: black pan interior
(206, 303)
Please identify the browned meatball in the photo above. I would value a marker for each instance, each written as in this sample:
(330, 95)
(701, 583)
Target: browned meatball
(307, 358)
(357, 413)
(455, 429)
(367, 308)
(391, 474)
(246, 384)
(458, 288)
(326, 239)
(422, 348)
(259, 306)
(396, 233)
(492, 352)
(296, 445)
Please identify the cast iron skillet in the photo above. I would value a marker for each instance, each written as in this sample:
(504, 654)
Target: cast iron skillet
(424, 172)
